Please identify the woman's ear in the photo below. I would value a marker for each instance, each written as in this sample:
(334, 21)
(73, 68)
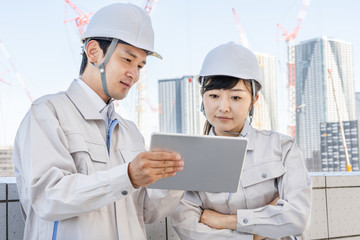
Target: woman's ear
(256, 98)
(93, 51)
(255, 101)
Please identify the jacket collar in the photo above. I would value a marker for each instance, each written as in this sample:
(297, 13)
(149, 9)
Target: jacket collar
(83, 102)
(85, 105)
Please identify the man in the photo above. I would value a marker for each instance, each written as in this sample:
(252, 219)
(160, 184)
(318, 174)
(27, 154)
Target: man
(80, 168)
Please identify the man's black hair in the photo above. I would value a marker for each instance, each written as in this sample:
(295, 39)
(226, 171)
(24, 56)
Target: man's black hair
(104, 45)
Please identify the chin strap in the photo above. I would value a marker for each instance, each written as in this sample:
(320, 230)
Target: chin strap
(101, 66)
(251, 112)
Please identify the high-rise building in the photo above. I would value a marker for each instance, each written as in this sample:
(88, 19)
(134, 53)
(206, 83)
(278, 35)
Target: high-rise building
(314, 91)
(6, 164)
(265, 115)
(332, 149)
(357, 105)
(180, 102)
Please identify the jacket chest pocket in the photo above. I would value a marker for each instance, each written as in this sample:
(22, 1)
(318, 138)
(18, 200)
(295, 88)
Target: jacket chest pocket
(88, 156)
(127, 155)
(259, 183)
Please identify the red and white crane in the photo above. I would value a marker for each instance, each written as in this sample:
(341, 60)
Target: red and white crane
(2, 80)
(17, 74)
(81, 20)
(243, 39)
(150, 4)
(289, 37)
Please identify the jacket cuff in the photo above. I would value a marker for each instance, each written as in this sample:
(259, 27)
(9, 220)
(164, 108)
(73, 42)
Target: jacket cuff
(120, 182)
(245, 220)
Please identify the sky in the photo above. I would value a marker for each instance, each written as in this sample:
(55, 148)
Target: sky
(45, 51)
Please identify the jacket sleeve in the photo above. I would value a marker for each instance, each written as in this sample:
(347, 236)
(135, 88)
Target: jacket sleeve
(291, 214)
(160, 203)
(49, 175)
(186, 219)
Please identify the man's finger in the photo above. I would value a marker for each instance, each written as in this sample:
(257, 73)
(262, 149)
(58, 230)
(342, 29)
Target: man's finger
(167, 163)
(161, 171)
(163, 156)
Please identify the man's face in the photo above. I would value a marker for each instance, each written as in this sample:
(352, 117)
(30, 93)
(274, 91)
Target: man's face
(123, 69)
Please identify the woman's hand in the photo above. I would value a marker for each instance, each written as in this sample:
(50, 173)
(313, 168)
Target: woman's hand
(273, 203)
(217, 220)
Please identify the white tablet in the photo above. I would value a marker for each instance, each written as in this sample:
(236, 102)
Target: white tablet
(212, 163)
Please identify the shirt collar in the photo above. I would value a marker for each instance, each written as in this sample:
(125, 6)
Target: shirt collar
(106, 110)
(95, 98)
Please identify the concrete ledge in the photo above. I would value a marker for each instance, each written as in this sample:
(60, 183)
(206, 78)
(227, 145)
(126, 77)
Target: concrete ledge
(335, 211)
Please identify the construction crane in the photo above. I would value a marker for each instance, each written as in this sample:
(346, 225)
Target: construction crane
(348, 164)
(150, 4)
(141, 99)
(2, 80)
(261, 108)
(289, 38)
(81, 20)
(17, 74)
(243, 39)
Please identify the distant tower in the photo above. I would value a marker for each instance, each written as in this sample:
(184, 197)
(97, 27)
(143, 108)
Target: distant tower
(266, 108)
(314, 91)
(180, 102)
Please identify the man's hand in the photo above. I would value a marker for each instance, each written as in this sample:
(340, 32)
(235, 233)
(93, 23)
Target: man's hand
(148, 167)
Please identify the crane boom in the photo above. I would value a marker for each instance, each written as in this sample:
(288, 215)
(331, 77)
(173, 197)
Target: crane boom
(243, 39)
(17, 74)
(289, 39)
(348, 164)
(3, 81)
(81, 20)
(150, 4)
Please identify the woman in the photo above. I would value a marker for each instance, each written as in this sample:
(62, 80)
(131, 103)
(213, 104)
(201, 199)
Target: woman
(274, 195)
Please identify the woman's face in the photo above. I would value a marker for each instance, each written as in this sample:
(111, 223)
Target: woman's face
(227, 109)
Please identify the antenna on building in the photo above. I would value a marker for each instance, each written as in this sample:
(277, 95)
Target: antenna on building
(348, 164)
(289, 38)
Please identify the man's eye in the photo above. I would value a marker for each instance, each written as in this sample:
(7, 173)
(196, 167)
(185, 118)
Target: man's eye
(236, 98)
(140, 67)
(127, 60)
(213, 95)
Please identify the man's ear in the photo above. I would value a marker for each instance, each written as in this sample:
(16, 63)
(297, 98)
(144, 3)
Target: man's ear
(93, 51)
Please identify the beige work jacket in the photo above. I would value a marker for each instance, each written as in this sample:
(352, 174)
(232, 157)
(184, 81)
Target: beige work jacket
(64, 173)
(274, 166)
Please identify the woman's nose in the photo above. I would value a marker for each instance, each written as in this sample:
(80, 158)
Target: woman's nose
(224, 105)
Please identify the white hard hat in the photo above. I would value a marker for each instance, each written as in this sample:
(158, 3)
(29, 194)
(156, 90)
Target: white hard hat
(233, 60)
(126, 22)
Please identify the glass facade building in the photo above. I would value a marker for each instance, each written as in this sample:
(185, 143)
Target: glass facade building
(180, 102)
(314, 91)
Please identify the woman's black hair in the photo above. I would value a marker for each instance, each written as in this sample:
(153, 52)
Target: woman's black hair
(224, 82)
